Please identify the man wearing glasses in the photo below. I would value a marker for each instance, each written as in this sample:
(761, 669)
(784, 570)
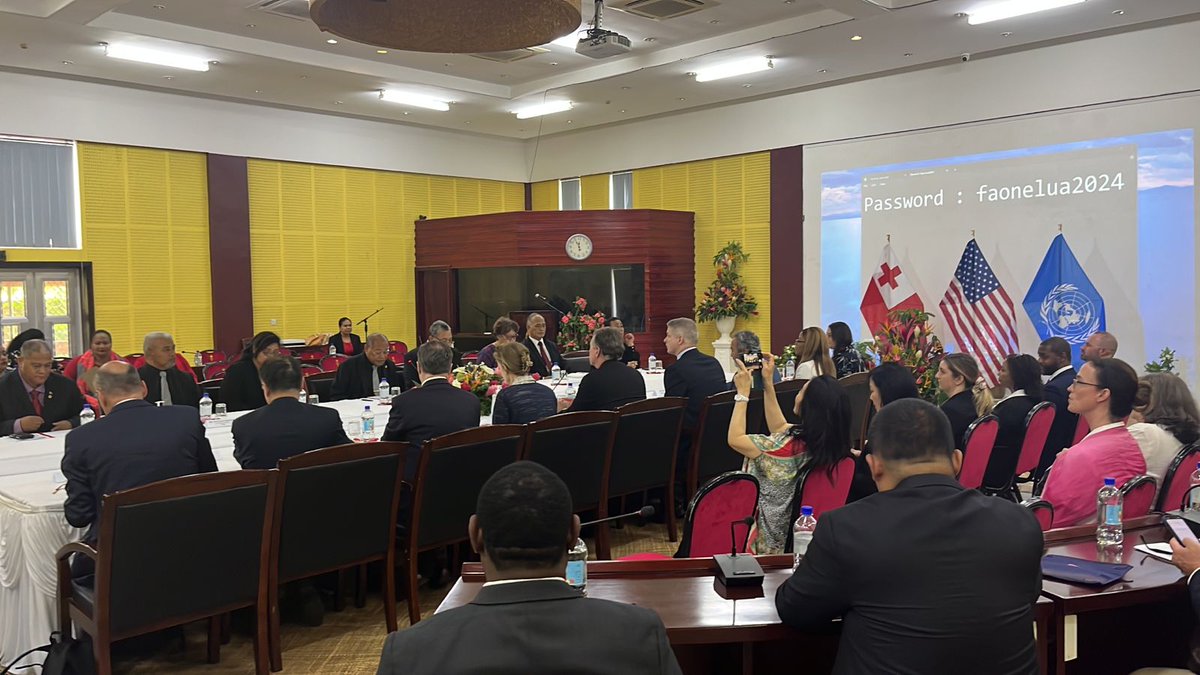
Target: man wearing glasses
(360, 375)
(1103, 393)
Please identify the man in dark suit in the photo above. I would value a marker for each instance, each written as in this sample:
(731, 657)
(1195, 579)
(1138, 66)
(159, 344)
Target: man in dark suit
(161, 369)
(527, 619)
(1054, 355)
(134, 444)
(284, 426)
(928, 577)
(35, 399)
(433, 408)
(360, 375)
(542, 352)
(611, 384)
(438, 330)
(1186, 556)
(694, 375)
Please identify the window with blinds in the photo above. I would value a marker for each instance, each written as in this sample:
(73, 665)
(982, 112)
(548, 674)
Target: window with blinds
(569, 196)
(621, 194)
(39, 202)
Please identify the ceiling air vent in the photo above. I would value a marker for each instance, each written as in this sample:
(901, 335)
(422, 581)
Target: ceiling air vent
(511, 55)
(292, 9)
(665, 9)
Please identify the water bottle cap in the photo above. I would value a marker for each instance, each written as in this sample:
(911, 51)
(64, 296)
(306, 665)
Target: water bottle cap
(87, 407)
(1110, 481)
(366, 407)
(806, 510)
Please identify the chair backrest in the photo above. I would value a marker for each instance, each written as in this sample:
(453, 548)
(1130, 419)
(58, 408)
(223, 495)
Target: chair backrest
(332, 362)
(576, 364)
(725, 499)
(397, 350)
(822, 491)
(644, 446)
(184, 548)
(310, 369)
(979, 440)
(577, 447)
(321, 384)
(1037, 430)
(1178, 478)
(711, 454)
(1081, 430)
(213, 389)
(859, 390)
(785, 394)
(336, 507)
(1138, 495)
(213, 371)
(208, 356)
(451, 472)
(1042, 510)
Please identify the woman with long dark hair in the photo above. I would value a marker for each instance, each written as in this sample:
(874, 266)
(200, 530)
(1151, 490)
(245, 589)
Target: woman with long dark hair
(846, 359)
(818, 443)
(241, 389)
(1021, 375)
(812, 355)
(345, 341)
(888, 382)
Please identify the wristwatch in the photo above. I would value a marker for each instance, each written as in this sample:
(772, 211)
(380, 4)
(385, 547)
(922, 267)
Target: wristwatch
(738, 398)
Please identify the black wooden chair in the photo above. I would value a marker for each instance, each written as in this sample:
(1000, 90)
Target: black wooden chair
(578, 447)
(174, 552)
(711, 455)
(335, 508)
(321, 384)
(213, 389)
(450, 473)
(644, 450)
(859, 390)
(785, 393)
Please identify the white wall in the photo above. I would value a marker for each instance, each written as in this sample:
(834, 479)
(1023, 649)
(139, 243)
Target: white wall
(84, 111)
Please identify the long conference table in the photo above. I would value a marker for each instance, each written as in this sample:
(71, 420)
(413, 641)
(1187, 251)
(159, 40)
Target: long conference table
(33, 528)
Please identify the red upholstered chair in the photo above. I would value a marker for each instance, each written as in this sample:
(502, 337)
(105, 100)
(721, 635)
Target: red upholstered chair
(1138, 494)
(1037, 430)
(214, 370)
(1042, 510)
(397, 350)
(979, 441)
(727, 498)
(1081, 430)
(824, 492)
(309, 369)
(208, 356)
(1178, 479)
(332, 362)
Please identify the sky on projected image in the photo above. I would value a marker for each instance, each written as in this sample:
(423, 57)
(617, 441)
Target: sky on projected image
(1165, 240)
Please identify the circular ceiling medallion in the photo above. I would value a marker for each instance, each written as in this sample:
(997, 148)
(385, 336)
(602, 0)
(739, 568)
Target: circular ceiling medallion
(448, 26)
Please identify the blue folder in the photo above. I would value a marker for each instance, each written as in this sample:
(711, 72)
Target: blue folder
(1082, 571)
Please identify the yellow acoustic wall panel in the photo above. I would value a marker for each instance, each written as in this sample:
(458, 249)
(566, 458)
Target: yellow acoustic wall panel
(327, 242)
(145, 231)
(594, 192)
(545, 195)
(731, 198)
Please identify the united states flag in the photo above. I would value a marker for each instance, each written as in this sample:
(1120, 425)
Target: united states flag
(980, 314)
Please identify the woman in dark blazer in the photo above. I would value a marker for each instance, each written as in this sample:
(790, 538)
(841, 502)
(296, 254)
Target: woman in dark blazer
(958, 377)
(241, 389)
(1021, 375)
(889, 382)
(344, 341)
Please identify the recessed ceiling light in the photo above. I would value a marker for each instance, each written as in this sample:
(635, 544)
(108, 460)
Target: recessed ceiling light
(855, 38)
(626, 88)
(250, 25)
(337, 102)
(682, 98)
(68, 63)
(331, 41)
(907, 55)
(1007, 33)
(258, 91)
(160, 7)
(547, 108)
(570, 121)
(747, 86)
(1119, 12)
(417, 100)
(622, 111)
(823, 71)
(554, 63)
(168, 77)
(155, 57)
(715, 21)
(649, 39)
(733, 68)
(381, 51)
(1007, 9)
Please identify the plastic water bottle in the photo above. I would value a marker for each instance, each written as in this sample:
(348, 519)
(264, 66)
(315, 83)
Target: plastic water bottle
(87, 415)
(303, 398)
(1193, 497)
(555, 373)
(577, 565)
(384, 390)
(789, 369)
(802, 534)
(1109, 506)
(332, 350)
(652, 363)
(570, 395)
(199, 359)
(368, 423)
(206, 405)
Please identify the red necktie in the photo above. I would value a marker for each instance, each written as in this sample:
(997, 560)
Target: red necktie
(37, 403)
(545, 354)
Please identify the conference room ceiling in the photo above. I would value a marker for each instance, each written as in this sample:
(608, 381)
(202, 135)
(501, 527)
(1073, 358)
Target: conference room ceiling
(268, 58)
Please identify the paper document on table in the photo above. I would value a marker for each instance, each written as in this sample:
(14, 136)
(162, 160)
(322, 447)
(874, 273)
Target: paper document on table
(1161, 551)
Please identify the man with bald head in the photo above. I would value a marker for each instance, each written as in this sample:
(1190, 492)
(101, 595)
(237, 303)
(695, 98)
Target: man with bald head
(1100, 345)
(134, 444)
(36, 399)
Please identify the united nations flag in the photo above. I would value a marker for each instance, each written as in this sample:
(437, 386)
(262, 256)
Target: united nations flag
(1062, 302)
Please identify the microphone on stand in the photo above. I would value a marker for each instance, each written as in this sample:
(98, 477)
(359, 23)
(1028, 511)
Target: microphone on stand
(547, 303)
(645, 512)
(738, 570)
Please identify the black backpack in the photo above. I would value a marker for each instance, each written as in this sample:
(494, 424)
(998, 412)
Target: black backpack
(64, 656)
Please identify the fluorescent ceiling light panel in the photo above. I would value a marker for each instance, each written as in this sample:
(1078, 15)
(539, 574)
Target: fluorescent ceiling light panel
(540, 109)
(733, 69)
(415, 100)
(1007, 9)
(156, 57)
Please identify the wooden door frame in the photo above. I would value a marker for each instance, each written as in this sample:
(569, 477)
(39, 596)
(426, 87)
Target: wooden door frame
(87, 300)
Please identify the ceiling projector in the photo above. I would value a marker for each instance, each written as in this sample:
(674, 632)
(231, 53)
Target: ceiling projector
(598, 43)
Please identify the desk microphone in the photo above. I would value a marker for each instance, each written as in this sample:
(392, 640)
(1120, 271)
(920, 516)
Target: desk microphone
(645, 512)
(734, 569)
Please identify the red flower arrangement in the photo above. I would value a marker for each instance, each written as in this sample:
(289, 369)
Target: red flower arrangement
(577, 326)
(726, 296)
(906, 338)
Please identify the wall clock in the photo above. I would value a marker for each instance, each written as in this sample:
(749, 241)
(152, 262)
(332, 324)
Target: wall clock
(579, 246)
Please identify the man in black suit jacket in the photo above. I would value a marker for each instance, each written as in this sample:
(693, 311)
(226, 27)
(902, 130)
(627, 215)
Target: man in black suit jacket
(181, 389)
(284, 426)
(1186, 556)
(542, 352)
(135, 444)
(611, 384)
(927, 576)
(694, 375)
(1054, 355)
(35, 399)
(360, 375)
(527, 619)
(433, 408)
(438, 330)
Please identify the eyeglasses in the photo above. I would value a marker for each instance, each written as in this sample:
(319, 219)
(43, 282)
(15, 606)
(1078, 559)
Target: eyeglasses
(1088, 384)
